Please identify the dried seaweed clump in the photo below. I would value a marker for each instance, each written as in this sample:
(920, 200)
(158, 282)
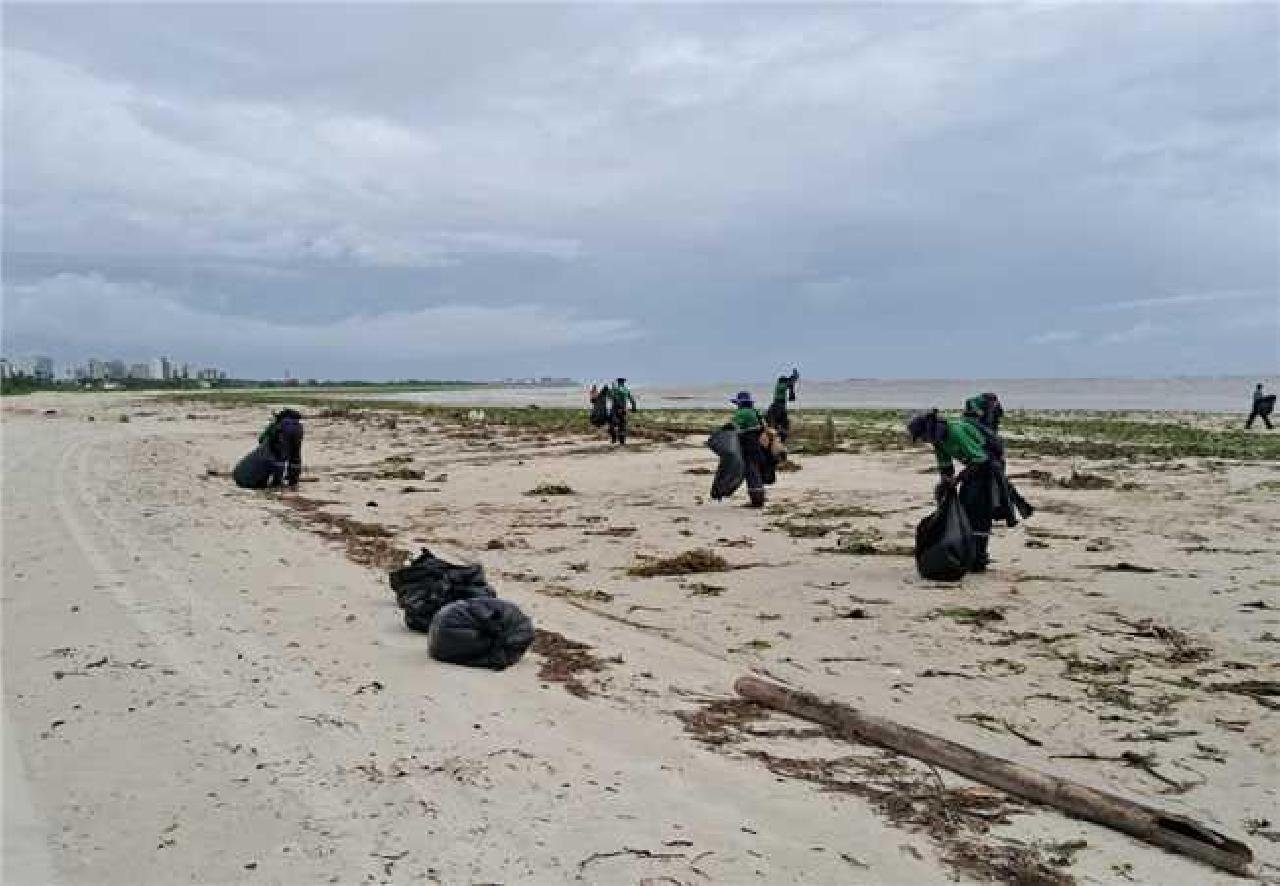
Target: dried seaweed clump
(551, 489)
(688, 563)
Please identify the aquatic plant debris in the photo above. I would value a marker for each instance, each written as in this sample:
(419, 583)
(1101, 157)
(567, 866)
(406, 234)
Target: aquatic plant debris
(687, 563)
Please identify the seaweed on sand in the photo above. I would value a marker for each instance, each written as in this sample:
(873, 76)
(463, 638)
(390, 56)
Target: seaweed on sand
(866, 542)
(687, 563)
(564, 660)
(551, 489)
(365, 543)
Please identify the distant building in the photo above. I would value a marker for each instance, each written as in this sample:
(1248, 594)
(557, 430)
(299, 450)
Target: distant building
(140, 371)
(166, 369)
(116, 369)
(42, 368)
(97, 369)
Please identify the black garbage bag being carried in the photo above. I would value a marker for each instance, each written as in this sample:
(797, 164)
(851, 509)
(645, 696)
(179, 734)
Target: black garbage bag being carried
(428, 583)
(1266, 405)
(945, 548)
(600, 410)
(732, 470)
(254, 470)
(480, 633)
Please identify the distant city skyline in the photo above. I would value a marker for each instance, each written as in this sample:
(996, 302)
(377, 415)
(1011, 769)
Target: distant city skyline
(162, 368)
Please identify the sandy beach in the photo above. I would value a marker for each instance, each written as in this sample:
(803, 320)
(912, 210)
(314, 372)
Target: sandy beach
(210, 685)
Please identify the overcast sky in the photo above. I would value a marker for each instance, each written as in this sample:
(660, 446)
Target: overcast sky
(670, 192)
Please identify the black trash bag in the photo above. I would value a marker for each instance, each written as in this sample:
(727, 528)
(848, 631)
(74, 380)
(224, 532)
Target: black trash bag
(429, 583)
(480, 633)
(732, 470)
(255, 469)
(1007, 502)
(945, 548)
(600, 410)
(1266, 405)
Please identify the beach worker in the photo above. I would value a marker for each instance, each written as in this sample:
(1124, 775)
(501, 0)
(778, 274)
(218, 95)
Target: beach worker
(983, 412)
(619, 397)
(1263, 404)
(750, 423)
(784, 391)
(282, 441)
(985, 409)
(958, 440)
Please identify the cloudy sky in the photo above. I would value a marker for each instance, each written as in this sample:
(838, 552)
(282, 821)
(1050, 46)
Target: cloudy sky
(672, 192)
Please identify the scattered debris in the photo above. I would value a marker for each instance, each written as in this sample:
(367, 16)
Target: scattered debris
(551, 489)
(722, 721)
(1079, 480)
(565, 660)
(690, 562)
(401, 474)
(967, 615)
(638, 853)
(366, 543)
(1123, 566)
(1261, 691)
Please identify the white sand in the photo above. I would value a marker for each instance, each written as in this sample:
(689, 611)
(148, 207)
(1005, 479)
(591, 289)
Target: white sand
(262, 716)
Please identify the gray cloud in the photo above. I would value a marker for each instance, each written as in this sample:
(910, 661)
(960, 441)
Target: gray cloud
(846, 185)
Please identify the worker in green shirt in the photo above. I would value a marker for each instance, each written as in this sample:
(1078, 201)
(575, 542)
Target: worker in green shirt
(619, 397)
(747, 419)
(784, 390)
(957, 440)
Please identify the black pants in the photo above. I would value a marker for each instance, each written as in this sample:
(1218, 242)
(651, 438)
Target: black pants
(753, 457)
(284, 473)
(618, 426)
(978, 499)
(1266, 419)
(777, 416)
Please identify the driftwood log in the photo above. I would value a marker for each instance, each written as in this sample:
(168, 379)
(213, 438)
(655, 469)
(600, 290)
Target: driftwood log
(1168, 830)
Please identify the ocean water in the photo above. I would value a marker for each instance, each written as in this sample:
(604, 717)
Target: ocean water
(1224, 394)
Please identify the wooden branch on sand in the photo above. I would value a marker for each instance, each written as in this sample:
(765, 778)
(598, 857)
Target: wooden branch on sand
(1167, 830)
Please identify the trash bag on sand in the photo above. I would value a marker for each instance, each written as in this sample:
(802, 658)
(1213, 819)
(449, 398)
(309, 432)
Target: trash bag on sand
(945, 548)
(481, 633)
(254, 470)
(732, 470)
(600, 411)
(429, 583)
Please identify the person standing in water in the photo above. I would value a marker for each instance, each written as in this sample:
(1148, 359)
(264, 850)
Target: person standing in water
(784, 391)
(619, 397)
